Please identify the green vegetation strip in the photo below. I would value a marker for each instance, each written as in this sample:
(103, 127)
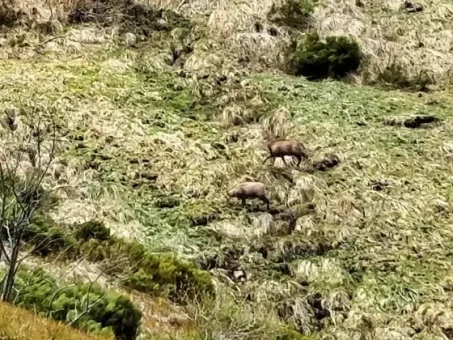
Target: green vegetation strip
(84, 306)
(136, 266)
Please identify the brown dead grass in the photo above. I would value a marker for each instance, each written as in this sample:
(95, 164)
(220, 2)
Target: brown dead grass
(417, 43)
(17, 323)
(159, 316)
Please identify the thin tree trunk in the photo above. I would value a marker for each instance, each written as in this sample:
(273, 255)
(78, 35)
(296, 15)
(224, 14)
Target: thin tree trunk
(11, 275)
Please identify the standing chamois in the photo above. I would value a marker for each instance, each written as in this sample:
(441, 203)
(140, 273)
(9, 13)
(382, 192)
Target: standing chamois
(250, 190)
(285, 147)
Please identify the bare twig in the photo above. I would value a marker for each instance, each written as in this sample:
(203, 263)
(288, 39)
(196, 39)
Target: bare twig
(89, 306)
(49, 307)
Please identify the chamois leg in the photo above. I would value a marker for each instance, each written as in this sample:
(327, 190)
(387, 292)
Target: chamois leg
(283, 159)
(243, 203)
(299, 160)
(266, 200)
(268, 157)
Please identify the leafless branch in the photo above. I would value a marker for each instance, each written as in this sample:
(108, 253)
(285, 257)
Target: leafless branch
(89, 306)
(49, 307)
(37, 247)
(21, 198)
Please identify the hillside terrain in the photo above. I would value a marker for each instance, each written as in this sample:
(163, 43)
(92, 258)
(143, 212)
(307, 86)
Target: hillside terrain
(154, 127)
(16, 323)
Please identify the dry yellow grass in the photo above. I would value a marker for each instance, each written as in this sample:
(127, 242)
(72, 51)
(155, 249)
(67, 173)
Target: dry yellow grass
(19, 324)
(418, 43)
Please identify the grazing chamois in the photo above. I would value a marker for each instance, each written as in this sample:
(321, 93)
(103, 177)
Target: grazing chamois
(250, 190)
(285, 147)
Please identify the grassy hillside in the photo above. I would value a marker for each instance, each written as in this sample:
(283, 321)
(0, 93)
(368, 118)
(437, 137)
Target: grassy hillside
(16, 323)
(376, 245)
(150, 147)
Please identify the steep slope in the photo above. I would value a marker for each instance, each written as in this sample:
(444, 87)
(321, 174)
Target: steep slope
(150, 156)
(16, 323)
(152, 136)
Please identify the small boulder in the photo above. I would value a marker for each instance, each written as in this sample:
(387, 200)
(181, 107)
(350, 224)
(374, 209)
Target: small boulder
(239, 275)
(411, 7)
(130, 39)
(418, 121)
(329, 161)
(413, 122)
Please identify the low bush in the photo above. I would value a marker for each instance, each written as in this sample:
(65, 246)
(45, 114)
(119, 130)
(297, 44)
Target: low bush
(92, 229)
(292, 13)
(335, 58)
(148, 272)
(108, 313)
(137, 267)
(46, 238)
(180, 278)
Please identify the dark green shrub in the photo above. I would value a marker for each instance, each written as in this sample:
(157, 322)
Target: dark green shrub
(95, 250)
(48, 238)
(167, 202)
(148, 272)
(138, 268)
(293, 13)
(179, 278)
(92, 229)
(10, 15)
(142, 281)
(112, 312)
(334, 58)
